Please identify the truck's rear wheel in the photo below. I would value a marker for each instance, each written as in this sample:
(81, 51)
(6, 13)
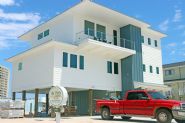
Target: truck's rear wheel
(105, 114)
(126, 118)
(180, 121)
(164, 116)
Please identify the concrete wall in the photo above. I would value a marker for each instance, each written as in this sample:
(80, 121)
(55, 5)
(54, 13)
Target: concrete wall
(37, 71)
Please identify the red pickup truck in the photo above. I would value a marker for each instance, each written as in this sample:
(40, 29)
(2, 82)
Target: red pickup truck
(142, 103)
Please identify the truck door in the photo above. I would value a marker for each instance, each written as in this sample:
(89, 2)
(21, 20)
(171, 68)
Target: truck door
(137, 103)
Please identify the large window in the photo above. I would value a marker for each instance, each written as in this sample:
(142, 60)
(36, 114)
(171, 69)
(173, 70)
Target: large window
(115, 37)
(109, 67)
(81, 62)
(100, 32)
(73, 61)
(116, 68)
(89, 28)
(65, 59)
(169, 72)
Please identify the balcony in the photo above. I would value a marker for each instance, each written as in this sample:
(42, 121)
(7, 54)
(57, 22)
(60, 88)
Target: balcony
(104, 44)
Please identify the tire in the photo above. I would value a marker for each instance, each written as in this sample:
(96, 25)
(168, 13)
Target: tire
(126, 118)
(105, 114)
(163, 116)
(180, 121)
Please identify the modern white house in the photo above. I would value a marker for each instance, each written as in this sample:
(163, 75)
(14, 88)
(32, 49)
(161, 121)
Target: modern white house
(90, 50)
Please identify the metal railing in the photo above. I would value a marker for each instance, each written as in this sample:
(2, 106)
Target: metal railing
(105, 38)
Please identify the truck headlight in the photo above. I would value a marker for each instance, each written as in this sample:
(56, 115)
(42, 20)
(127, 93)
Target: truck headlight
(177, 107)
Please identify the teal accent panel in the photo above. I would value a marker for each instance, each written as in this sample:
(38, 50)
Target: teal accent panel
(80, 99)
(131, 66)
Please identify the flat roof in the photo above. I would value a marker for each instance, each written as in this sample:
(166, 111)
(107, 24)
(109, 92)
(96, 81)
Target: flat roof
(174, 64)
(96, 10)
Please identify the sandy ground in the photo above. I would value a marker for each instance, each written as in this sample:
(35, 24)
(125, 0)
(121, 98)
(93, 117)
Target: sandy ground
(94, 119)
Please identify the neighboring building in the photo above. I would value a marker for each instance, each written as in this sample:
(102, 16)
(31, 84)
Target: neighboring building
(4, 78)
(174, 76)
(90, 50)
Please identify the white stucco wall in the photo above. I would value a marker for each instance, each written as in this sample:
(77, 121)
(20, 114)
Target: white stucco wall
(94, 75)
(37, 71)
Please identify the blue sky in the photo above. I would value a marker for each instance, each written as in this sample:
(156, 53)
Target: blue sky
(167, 16)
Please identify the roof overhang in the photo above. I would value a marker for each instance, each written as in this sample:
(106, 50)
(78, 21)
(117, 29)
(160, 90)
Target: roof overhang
(93, 10)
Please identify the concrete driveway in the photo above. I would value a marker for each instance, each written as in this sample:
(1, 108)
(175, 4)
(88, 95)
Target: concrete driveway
(94, 119)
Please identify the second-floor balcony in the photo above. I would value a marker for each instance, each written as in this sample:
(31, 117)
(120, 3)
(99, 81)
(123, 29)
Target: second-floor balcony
(94, 40)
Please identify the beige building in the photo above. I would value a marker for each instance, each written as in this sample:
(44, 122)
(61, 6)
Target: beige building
(4, 78)
(174, 76)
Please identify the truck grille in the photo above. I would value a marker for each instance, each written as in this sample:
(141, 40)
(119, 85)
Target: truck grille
(183, 106)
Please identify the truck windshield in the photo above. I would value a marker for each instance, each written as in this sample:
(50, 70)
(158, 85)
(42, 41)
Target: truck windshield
(156, 95)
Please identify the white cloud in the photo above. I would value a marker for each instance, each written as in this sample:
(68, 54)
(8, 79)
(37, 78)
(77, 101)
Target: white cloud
(172, 52)
(178, 15)
(7, 2)
(172, 44)
(13, 25)
(164, 25)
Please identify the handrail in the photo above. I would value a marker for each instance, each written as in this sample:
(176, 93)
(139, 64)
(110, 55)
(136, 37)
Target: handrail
(104, 37)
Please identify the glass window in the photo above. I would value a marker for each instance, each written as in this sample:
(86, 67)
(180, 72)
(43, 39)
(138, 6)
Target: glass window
(46, 33)
(20, 66)
(116, 68)
(156, 43)
(100, 32)
(157, 70)
(40, 36)
(169, 72)
(109, 67)
(137, 96)
(65, 59)
(73, 61)
(144, 68)
(89, 28)
(149, 41)
(82, 62)
(151, 69)
(142, 39)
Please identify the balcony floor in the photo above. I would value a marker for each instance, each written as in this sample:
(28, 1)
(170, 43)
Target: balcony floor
(104, 49)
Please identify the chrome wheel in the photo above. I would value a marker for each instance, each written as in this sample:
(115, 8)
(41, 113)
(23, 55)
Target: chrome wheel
(163, 116)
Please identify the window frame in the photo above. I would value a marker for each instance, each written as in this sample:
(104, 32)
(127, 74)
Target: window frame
(73, 61)
(20, 66)
(144, 68)
(40, 36)
(109, 67)
(65, 59)
(116, 68)
(81, 62)
(157, 70)
(46, 32)
(151, 69)
(149, 41)
(156, 43)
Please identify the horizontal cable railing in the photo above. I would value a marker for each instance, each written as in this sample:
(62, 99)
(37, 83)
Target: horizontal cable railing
(104, 37)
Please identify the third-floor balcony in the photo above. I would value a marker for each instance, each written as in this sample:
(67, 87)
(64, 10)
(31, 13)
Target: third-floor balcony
(100, 41)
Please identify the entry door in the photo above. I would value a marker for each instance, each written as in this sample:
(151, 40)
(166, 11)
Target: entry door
(137, 104)
(80, 99)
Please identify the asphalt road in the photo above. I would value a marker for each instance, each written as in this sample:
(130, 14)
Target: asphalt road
(94, 119)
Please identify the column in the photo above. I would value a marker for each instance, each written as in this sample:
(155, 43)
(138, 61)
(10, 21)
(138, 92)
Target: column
(13, 95)
(36, 102)
(90, 102)
(24, 99)
(47, 103)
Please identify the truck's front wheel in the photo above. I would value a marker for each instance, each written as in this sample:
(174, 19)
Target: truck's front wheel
(164, 116)
(105, 114)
